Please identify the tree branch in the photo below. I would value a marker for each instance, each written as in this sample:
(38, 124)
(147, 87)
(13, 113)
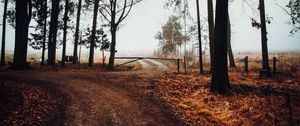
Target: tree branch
(104, 8)
(104, 16)
(123, 12)
(129, 5)
(295, 18)
(124, 16)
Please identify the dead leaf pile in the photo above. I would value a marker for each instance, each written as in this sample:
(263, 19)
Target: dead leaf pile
(26, 104)
(246, 104)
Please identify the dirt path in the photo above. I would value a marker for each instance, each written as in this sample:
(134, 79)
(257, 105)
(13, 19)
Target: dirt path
(152, 64)
(111, 98)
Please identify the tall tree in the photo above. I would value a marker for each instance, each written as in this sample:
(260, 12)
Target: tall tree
(115, 12)
(265, 72)
(199, 38)
(211, 27)
(65, 33)
(75, 51)
(92, 40)
(23, 18)
(3, 34)
(44, 32)
(230, 53)
(220, 80)
(170, 37)
(37, 38)
(53, 32)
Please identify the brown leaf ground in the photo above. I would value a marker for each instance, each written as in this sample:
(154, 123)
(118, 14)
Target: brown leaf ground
(252, 101)
(29, 104)
(99, 97)
(93, 98)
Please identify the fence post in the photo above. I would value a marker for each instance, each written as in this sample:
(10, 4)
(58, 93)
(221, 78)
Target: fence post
(178, 65)
(274, 65)
(246, 64)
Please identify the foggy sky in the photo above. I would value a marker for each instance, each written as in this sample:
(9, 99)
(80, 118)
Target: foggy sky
(136, 35)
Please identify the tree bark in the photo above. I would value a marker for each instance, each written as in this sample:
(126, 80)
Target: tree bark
(113, 31)
(230, 53)
(92, 46)
(3, 33)
(220, 80)
(65, 33)
(75, 60)
(211, 27)
(23, 17)
(113, 48)
(199, 38)
(265, 72)
(45, 33)
(53, 33)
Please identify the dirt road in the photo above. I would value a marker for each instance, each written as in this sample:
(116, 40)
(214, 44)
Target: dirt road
(107, 98)
(152, 64)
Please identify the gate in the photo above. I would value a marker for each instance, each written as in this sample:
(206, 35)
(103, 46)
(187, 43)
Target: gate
(134, 59)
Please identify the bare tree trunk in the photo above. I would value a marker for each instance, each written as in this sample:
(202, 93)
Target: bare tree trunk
(103, 59)
(230, 53)
(75, 60)
(53, 33)
(211, 27)
(113, 48)
(23, 17)
(45, 33)
(220, 80)
(113, 30)
(92, 46)
(79, 57)
(3, 33)
(199, 38)
(63, 58)
(265, 72)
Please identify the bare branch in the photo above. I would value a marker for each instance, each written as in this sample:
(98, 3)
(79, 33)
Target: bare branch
(136, 2)
(123, 12)
(105, 9)
(124, 16)
(105, 16)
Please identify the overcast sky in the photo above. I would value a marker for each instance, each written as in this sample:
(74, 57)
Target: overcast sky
(136, 35)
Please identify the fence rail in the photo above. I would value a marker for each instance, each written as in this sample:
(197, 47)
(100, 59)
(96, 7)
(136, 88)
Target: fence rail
(134, 59)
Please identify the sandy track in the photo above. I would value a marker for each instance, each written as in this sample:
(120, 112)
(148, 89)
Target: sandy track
(152, 64)
(112, 98)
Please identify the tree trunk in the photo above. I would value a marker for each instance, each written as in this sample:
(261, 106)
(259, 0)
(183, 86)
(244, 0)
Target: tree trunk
(3, 33)
(53, 33)
(65, 33)
(45, 33)
(23, 17)
(199, 38)
(230, 53)
(113, 30)
(220, 80)
(211, 27)
(103, 59)
(92, 46)
(265, 72)
(75, 60)
(113, 48)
